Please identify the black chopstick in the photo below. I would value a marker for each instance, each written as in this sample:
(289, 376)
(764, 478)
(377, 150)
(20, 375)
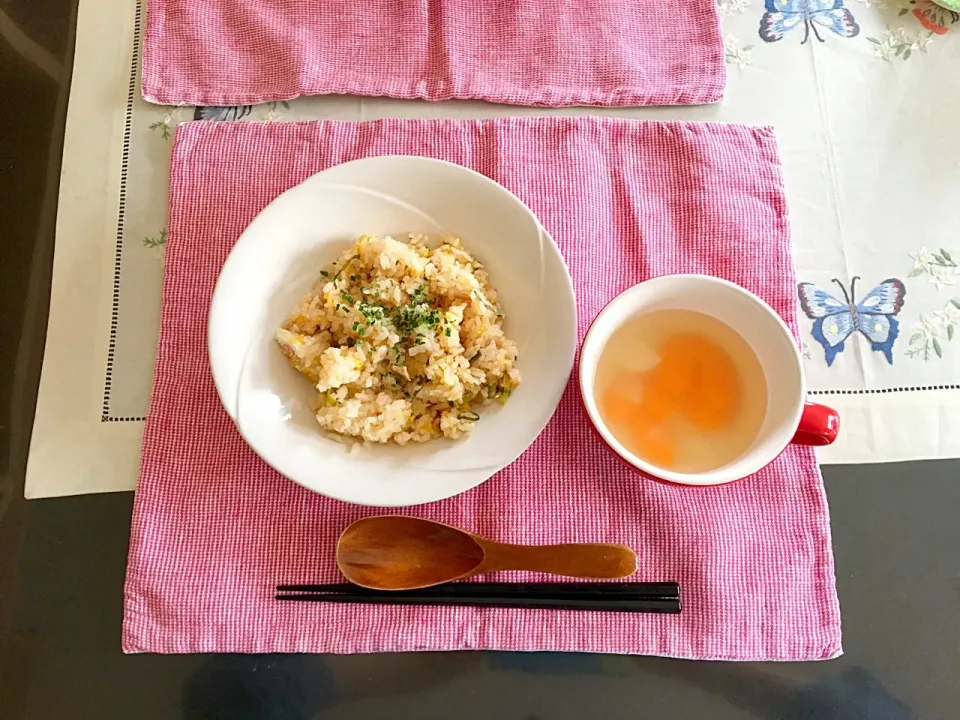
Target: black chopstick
(605, 597)
(611, 604)
(663, 590)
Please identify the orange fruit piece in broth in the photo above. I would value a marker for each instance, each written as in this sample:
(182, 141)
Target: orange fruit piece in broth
(619, 408)
(695, 378)
(641, 408)
(655, 444)
(700, 379)
(631, 385)
(714, 388)
(677, 366)
(656, 405)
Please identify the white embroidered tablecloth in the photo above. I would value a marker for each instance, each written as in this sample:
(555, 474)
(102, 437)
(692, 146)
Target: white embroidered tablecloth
(865, 99)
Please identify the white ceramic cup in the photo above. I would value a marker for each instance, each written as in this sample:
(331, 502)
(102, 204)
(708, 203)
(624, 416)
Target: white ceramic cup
(789, 417)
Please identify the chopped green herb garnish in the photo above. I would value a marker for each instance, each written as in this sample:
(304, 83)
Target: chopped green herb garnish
(468, 417)
(447, 332)
(410, 318)
(371, 313)
(483, 298)
(324, 273)
(349, 298)
(348, 261)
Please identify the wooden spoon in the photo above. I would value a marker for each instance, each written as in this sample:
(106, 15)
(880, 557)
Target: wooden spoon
(396, 552)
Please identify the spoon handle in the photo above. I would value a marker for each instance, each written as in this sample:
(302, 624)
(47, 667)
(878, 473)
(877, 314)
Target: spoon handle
(580, 560)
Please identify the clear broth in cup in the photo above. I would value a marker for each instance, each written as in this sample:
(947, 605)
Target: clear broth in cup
(681, 390)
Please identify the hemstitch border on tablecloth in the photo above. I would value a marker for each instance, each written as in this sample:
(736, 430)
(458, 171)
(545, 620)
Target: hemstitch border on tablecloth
(121, 212)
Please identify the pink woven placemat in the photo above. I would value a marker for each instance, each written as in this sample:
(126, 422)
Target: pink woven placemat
(523, 52)
(214, 528)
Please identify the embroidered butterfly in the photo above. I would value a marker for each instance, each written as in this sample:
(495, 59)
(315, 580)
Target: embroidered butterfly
(782, 16)
(835, 321)
(212, 112)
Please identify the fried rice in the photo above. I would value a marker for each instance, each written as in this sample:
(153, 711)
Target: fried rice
(403, 343)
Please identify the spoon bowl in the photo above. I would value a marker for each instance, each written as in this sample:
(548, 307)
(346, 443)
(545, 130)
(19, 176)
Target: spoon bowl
(396, 552)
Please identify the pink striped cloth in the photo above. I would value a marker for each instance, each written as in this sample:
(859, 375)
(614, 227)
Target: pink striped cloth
(214, 528)
(522, 52)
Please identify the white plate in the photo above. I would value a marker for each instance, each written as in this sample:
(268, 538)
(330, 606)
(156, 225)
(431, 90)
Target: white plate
(277, 259)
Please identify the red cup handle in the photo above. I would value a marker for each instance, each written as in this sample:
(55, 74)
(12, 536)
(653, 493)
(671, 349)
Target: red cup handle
(819, 425)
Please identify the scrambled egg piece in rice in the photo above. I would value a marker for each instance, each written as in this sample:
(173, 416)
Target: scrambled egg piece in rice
(402, 342)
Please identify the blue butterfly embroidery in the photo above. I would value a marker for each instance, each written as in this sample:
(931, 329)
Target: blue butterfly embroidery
(782, 16)
(835, 321)
(211, 112)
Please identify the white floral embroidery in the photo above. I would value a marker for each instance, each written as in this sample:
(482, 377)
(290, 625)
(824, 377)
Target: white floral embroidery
(939, 265)
(922, 260)
(897, 42)
(932, 332)
(925, 341)
(950, 315)
(928, 327)
(171, 117)
(886, 4)
(940, 277)
(274, 110)
(732, 7)
(737, 54)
